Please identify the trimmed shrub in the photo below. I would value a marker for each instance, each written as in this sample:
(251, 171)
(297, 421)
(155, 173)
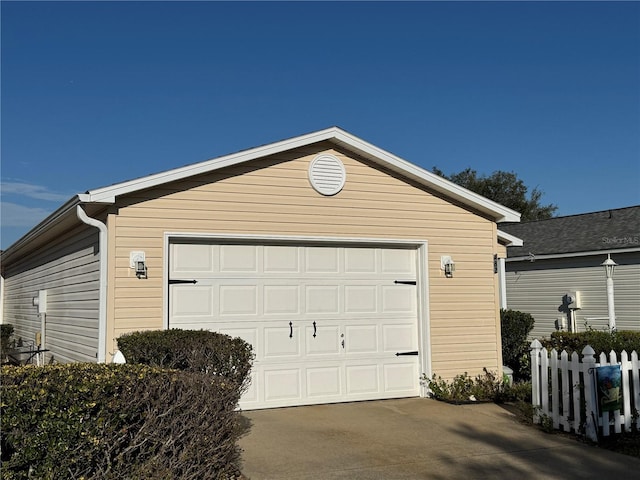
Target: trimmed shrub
(487, 387)
(600, 340)
(97, 421)
(192, 350)
(515, 328)
(6, 332)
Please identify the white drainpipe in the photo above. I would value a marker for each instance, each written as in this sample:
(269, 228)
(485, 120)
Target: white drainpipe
(102, 308)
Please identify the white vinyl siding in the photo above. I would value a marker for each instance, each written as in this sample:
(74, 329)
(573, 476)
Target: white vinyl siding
(68, 269)
(538, 287)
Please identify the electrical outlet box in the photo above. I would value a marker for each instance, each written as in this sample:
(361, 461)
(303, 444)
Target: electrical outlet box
(573, 300)
(40, 301)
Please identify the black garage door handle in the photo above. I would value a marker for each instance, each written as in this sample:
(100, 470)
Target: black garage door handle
(399, 354)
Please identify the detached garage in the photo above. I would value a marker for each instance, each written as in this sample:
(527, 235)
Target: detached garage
(349, 270)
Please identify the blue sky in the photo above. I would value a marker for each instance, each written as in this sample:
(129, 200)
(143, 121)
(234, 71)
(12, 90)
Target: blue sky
(95, 93)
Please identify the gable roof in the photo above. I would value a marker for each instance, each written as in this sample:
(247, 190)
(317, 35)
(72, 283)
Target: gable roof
(606, 230)
(335, 135)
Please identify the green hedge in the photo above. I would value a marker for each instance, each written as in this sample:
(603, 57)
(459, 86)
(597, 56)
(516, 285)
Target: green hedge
(515, 328)
(97, 421)
(600, 341)
(193, 350)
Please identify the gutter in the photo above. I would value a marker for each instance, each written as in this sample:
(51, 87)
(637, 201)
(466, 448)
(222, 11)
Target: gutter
(102, 306)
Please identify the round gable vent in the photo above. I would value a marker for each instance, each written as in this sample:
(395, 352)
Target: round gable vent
(327, 174)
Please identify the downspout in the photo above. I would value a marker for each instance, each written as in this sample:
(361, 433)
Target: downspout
(102, 306)
(502, 282)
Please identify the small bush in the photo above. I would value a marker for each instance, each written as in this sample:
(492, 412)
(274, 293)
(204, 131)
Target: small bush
(6, 332)
(487, 387)
(192, 350)
(601, 341)
(97, 421)
(515, 329)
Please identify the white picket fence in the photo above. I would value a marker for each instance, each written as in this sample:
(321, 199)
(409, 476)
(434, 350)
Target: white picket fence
(564, 391)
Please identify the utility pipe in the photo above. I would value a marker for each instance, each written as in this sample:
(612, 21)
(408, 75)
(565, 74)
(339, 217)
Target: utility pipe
(102, 305)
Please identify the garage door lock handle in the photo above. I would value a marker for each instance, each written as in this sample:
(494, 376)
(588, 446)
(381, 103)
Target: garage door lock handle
(174, 282)
(290, 330)
(314, 329)
(405, 282)
(399, 354)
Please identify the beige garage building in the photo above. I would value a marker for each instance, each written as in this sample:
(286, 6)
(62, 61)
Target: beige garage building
(351, 271)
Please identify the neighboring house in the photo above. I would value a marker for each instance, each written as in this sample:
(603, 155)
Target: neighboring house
(323, 251)
(565, 254)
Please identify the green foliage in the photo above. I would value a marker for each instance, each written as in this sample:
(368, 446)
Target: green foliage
(97, 421)
(6, 332)
(487, 387)
(506, 189)
(515, 328)
(600, 340)
(192, 350)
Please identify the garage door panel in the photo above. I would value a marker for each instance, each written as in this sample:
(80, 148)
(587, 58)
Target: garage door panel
(399, 298)
(360, 298)
(361, 339)
(323, 381)
(281, 259)
(326, 341)
(399, 337)
(322, 299)
(281, 342)
(238, 258)
(398, 261)
(321, 260)
(362, 379)
(238, 300)
(281, 299)
(282, 384)
(188, 258)
(400, 377)
(193, 300)
(360, 260)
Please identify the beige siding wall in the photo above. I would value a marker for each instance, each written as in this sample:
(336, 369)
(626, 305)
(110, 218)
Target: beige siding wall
(538, 287)
(68, 269)
(274, 197)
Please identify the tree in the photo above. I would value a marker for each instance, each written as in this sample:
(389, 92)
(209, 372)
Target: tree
(506, 189)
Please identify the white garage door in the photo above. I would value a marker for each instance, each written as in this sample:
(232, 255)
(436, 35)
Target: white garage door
(325, 322)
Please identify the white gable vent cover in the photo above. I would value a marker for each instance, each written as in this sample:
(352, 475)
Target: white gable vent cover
(327, 174)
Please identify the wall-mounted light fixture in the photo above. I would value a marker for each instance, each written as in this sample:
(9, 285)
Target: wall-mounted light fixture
(137, 261)
(447, 265)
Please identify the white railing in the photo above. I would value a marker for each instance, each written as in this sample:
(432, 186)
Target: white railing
(565, 394)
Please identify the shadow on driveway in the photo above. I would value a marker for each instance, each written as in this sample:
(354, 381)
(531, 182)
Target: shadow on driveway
(416, 438)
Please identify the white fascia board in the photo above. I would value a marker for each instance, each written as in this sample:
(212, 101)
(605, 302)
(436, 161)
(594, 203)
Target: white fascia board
(499, 212)
(510, 240)
(590, 253)
(108, 194)
(442, 185)
(41, 227)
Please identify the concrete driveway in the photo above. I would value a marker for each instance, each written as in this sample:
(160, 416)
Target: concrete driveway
(416, 438)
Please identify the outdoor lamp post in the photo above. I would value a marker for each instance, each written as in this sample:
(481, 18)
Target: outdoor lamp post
(609, 266)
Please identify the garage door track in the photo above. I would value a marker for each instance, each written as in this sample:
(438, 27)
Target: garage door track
(416, 438)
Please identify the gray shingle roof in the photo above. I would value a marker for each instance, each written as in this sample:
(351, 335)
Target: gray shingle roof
(605, 230)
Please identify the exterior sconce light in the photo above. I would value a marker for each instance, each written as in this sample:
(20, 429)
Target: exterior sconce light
(447, 265)
(137, 261)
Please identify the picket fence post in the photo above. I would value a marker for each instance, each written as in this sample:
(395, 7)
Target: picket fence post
(536, 346)
(588, 372)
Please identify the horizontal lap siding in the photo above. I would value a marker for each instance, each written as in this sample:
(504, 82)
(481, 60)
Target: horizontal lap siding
(538, 287)
(277, 199)
(69, 270)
